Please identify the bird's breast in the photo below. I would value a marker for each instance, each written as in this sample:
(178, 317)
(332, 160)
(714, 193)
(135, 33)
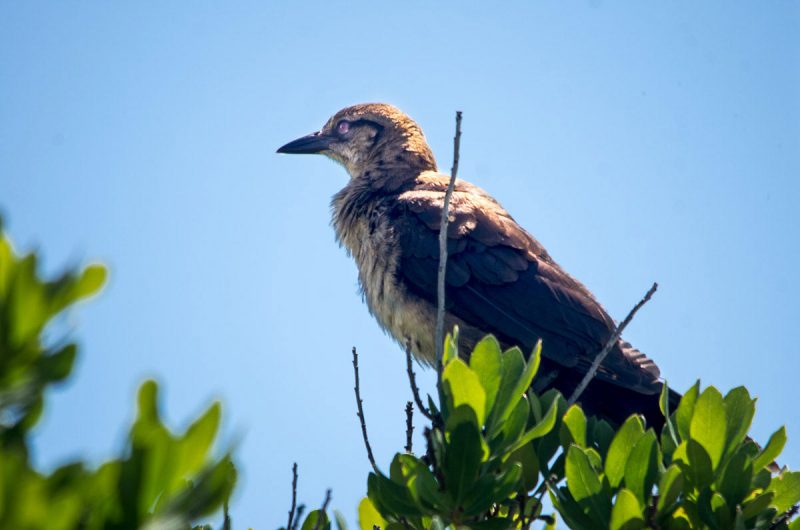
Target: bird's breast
(370, 240)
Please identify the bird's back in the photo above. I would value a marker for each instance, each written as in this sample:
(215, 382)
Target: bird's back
(501, 280)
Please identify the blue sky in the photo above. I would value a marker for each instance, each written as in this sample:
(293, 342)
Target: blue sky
(638, 142)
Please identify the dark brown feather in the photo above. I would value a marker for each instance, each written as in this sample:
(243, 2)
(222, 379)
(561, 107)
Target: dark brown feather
(500, 279)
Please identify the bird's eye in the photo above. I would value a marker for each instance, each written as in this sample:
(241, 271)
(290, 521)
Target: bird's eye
(342, 127)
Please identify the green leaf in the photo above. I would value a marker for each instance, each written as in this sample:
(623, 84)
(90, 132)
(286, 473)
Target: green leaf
(341, 523)
(668, 446)
(755, 506)
(198, 439)
(619, 450)
(390, 497)
(695, 462)
(627, 512)
(685, 411)
(573, 427)
(92, 279)
(531, 367)
(480, 496)
(486, 361)
(709, 424)
(526, 457)
(721, 511)
(508, 482)
(420, 482)
(641, 469)
(463, 387)
(663, 404)
(513, 366)
(58, 366)
(602, 435)
(772, 450)
(536, 406)
(368, 516)
(786, 488)
(547, 446)
(572, 513)
(462, 459)
(739, 411)
(585, 486)
(734, 481)
(541, 429)
(669, 488)
(512, 428)
(317, 519)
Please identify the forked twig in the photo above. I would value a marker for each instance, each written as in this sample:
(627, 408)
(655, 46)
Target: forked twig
(298, 516)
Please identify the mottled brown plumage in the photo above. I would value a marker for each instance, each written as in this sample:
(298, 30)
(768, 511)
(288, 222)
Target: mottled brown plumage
(500, 279)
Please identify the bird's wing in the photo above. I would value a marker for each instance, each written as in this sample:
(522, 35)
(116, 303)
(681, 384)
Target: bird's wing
(501, 280)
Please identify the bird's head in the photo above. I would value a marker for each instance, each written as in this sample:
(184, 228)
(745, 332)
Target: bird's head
(369, 140)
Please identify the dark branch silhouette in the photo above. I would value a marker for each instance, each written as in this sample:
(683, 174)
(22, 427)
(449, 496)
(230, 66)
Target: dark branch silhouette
(412, 379)
(298, 516)
(323, 510)
(294, 497)
(409, 426)
(359, 403)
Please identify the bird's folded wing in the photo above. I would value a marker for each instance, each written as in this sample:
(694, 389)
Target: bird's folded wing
(501, 280)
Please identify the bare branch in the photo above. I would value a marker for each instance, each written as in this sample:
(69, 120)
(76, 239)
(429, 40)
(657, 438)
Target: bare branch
(610, 344)
(226, 521)
(785, 517)
(443, 249)
(412, 379)
(323, 510)
(294, 497)
(298, 516)
(360, 412)
(409, 426)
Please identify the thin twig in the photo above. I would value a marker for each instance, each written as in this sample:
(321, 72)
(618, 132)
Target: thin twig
(610, 344)
(409, 426)
(298, 516)
(443, 251)
(412, 378)
(785, 517)
(226, 521)
(360, 412)
(294, 496)
(323, 510)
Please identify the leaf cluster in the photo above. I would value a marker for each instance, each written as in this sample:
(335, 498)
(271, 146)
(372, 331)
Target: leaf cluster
(495, 447)
(489, 449)
(162, 480)
(700, 472)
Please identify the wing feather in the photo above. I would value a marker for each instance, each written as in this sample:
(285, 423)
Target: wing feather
(501, 280)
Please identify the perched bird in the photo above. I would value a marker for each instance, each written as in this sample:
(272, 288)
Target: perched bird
(499, 279)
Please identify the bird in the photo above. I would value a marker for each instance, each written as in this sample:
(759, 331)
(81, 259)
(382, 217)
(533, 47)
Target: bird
(499, 279)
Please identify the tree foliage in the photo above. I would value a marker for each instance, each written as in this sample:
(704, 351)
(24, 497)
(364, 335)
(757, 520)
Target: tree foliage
(494, 449)
(161, 481)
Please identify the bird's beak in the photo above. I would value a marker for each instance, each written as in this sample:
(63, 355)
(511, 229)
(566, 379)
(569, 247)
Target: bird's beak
(309, 144)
